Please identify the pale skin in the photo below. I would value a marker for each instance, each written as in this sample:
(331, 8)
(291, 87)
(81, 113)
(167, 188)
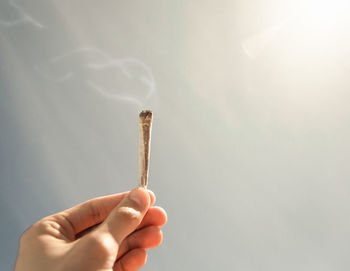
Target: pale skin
(102, 234)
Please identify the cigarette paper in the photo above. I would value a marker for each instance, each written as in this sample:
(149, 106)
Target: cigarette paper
(144, 146)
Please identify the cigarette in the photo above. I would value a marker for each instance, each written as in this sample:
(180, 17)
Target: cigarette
(144, 146)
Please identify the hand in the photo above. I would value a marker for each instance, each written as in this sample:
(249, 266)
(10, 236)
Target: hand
(107, 233)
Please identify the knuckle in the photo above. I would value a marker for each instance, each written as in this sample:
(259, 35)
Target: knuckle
(32, 233)
(34, 230)
(42, 226)
(26, 235)
(129, 213)
(103, 244)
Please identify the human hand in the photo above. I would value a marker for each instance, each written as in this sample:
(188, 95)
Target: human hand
(106, 233)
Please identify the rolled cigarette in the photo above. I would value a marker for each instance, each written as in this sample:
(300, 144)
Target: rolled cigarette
(144, 146)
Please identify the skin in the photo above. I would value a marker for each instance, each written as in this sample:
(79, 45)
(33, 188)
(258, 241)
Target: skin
(104, 234)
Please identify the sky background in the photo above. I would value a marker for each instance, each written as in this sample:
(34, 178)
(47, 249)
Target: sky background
(250, 144)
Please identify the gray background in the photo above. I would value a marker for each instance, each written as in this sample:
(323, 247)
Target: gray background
(250, 145)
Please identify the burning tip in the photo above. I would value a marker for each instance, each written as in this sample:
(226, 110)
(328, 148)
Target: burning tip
(146, 114)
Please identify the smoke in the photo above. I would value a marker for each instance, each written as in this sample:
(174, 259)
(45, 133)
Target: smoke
(23, 17)
(124, 79)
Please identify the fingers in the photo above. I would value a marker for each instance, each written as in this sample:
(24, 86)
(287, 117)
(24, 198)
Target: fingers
(152, 196)
(146, 238)
(92, 212)
(156, 216)
(131, 261)
(127, 216)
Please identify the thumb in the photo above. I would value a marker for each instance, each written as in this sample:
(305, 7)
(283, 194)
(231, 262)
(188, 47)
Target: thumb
(128, 214)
